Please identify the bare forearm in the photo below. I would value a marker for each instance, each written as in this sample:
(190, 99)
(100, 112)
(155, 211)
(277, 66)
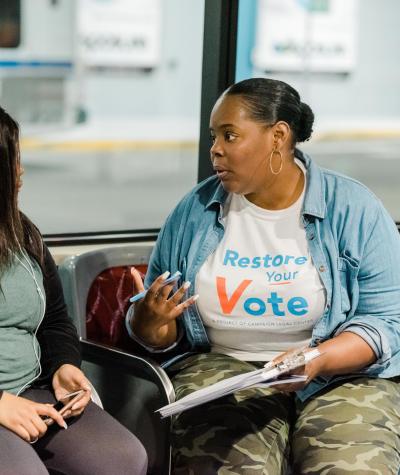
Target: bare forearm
(158, 337)
(346, 353)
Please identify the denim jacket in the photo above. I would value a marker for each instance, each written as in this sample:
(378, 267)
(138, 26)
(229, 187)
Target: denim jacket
(353, 242)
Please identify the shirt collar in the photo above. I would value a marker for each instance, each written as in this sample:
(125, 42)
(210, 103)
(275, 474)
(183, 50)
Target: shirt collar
(314, 202)
(219, 196)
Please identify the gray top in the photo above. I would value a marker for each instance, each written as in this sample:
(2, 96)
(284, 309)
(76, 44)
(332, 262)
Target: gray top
(21, 310)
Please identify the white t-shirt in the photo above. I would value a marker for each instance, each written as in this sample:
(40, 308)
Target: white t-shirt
(260, 293)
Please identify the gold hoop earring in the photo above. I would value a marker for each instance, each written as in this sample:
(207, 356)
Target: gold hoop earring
(270, 161)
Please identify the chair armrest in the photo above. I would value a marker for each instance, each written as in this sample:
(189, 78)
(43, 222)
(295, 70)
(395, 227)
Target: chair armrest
(131, 389)
(138, 366)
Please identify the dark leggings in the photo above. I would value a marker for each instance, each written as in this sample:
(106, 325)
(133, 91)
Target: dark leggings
(94, 444)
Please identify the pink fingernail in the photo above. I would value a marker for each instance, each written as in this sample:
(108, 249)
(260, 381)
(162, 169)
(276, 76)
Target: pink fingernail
(165, 275)
(187, 284)
(195, 297)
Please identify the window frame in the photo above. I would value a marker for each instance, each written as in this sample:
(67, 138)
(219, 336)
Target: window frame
(219, 67)
(218, 72)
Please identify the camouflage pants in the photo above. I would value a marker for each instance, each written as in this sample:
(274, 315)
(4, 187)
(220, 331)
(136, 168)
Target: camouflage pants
(352, 428)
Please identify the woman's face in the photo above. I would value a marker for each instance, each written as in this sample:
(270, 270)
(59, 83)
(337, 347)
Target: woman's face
(241, 147)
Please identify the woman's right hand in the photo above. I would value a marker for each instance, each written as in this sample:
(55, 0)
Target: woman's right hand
(22, 416)
(155, 315)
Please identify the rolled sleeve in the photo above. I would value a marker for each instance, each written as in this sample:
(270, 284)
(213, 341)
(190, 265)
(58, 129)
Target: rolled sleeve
(377, 316)
(370, 335)
(128, 318)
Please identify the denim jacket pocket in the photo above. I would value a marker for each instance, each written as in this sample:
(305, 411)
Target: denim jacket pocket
(348, 270)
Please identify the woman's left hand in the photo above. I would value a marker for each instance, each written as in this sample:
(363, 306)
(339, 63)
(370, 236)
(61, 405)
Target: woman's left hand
(68, 378)
(310, 370)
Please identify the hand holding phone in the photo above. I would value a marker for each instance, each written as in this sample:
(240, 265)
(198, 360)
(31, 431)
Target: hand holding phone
(171, 280)
(62, 407)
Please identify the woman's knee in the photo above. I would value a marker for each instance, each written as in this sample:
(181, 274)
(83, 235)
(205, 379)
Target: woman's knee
(23, 464)
(126, 457)
(18, 457)
(24, 469)
(349, 426)
(119, 457)
(136, 458)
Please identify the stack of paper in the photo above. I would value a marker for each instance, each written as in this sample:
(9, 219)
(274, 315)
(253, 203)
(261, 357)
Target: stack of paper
(263, 377)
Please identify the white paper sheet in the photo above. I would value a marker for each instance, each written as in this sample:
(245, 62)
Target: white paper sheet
(263, 377)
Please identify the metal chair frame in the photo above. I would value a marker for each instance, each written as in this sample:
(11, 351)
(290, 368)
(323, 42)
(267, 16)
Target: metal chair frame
(131, 387)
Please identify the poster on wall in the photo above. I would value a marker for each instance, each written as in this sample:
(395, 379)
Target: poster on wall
(311, 35)
(119, 33)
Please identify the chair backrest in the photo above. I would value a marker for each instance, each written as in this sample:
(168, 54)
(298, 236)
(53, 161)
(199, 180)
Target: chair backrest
(78, 275)
(107, 304)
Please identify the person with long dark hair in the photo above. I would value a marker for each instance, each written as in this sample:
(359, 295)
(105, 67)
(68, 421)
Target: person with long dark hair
(40, 358)
(278, 253)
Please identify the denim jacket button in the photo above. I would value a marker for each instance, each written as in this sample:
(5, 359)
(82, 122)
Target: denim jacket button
(322, 268)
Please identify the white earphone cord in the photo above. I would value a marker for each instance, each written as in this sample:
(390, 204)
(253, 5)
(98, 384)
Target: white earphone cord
(36, 346)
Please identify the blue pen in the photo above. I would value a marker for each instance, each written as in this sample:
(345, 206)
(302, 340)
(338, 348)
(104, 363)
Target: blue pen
(174, 278)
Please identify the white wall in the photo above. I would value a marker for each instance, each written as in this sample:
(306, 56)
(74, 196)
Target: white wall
(371, 91)
(172, 89)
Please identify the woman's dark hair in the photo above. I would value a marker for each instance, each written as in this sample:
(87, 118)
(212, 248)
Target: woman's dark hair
(269, 101)
(16, 230)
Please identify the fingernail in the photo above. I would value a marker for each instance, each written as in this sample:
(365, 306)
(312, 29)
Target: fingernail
(187, 284)
(65, 425)
(165, 275)
(195, 297)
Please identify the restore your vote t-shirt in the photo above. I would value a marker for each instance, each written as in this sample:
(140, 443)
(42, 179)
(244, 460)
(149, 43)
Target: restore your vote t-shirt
(260, 293)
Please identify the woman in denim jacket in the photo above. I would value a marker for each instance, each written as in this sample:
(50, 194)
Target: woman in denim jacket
(278, 253)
